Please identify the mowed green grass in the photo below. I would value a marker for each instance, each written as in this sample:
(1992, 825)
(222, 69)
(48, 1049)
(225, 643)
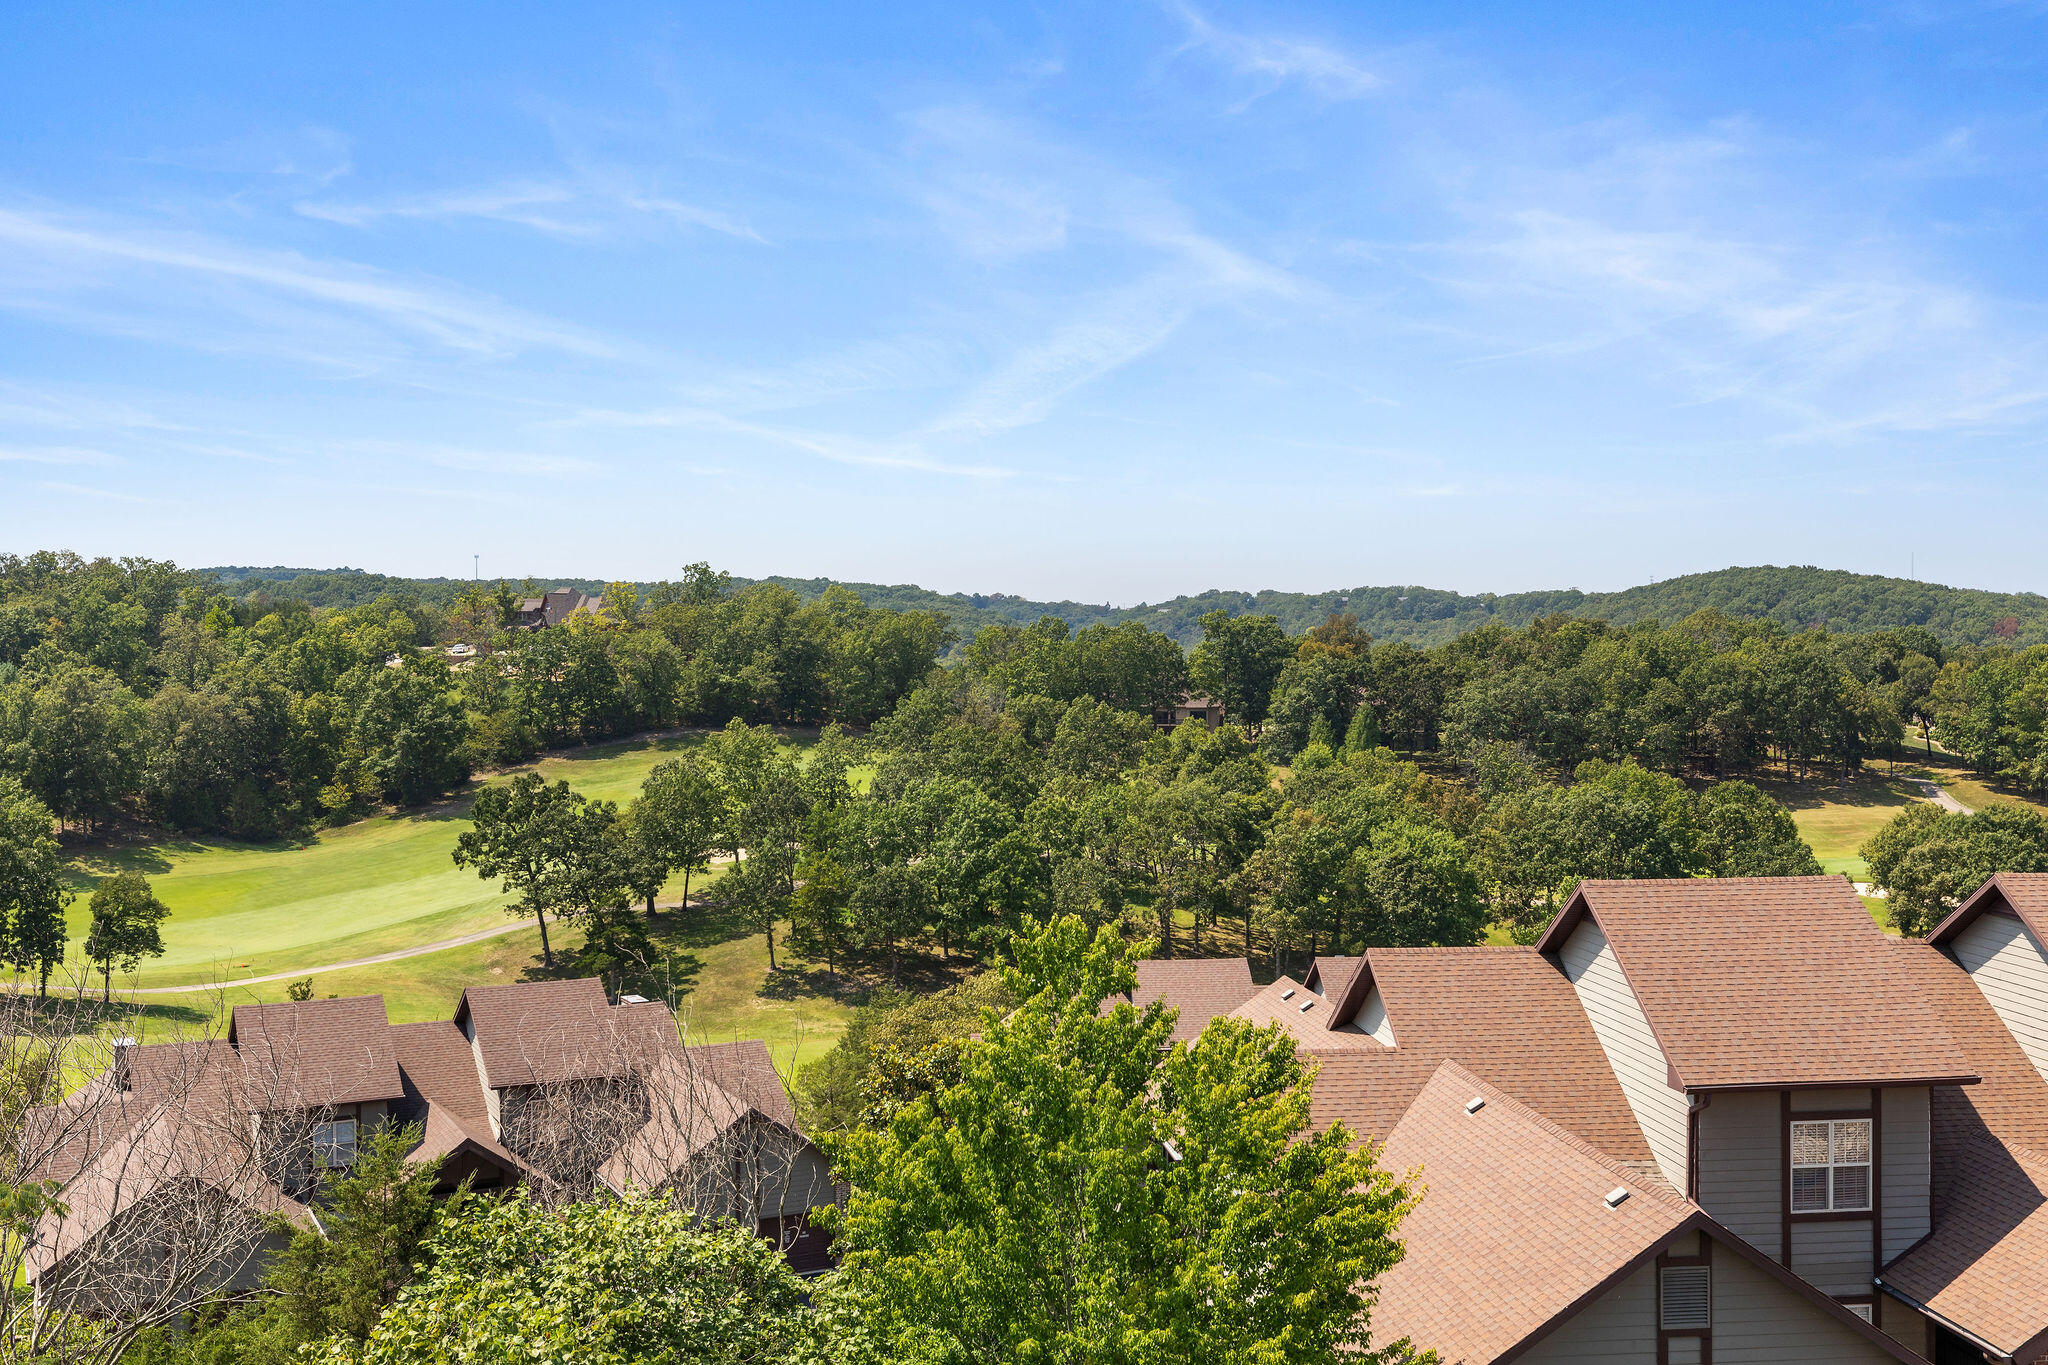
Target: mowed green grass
(1836, 817)
(715, 973)
(376, 886)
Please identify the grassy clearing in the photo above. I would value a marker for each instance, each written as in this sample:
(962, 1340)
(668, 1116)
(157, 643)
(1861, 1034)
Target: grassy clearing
(1835, 817)
(376, 886)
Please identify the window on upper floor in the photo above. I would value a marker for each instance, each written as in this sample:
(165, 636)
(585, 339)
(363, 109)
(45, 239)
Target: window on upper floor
(1830, 1165)
(334, 1142)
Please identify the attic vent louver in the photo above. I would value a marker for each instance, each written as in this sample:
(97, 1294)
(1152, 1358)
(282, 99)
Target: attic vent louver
(1475, 1104)
(1685, 1298)
(1287, 994)
(1617, 1196)
(1307, 1005)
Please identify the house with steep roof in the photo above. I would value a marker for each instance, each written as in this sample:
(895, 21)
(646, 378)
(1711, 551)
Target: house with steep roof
(545, 1084)
(1706, 1119)
(552, 608)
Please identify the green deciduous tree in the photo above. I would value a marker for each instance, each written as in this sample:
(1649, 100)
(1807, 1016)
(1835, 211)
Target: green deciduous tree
(546, 843)
(618, 1283)
(1928, 859)
(680, 812)
(1084, 1193)
(1744, 833)
(126, 916)
(1238, 661)
(32, 891)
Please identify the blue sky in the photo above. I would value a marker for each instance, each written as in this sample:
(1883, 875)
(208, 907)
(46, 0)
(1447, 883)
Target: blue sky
(1101, 301)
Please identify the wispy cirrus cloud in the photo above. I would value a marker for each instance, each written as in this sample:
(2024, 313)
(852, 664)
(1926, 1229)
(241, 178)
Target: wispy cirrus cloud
(588, 210)
(98, 272)
(1273, 60)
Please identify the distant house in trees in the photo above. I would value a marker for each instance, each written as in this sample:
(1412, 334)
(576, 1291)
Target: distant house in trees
(1700, 1120)
(1207, 710)
(542, 1084)
(553, 608)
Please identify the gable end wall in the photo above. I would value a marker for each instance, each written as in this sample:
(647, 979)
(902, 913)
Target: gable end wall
(2009, 966)
(1624, 1033)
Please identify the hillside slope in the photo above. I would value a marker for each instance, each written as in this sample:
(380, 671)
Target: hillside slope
(1796, 596)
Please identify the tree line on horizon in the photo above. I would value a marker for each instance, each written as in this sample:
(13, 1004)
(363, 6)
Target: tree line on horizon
(1798, 597)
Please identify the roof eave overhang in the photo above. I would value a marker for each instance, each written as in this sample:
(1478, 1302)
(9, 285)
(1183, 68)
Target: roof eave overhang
(1966, 914)
(2019, 1355)
(1564, 921)
(1986, 899)
(1861, 1083)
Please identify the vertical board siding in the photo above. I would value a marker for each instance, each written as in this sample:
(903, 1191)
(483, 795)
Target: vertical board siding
(1372, 1018)
(1758, 1321)
(1740, 1162)
(1631, 1048)
(1906, 1168)
(2008, 965)
(1834, 1257)
(1621, 1326)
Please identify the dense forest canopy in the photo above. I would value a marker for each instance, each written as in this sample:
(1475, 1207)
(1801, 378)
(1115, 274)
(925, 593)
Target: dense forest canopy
(1796, 597)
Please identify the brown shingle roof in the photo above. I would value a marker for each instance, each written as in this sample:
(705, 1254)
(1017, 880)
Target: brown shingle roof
(1305, 1016)
(1504, 1013)
(316, 1053)
(1513, 1234)
(1513, 1228)
(1199, 987)
(1765, 981)
(1982, 1268)
(1331, 977)
(537, 1032)
(439, 1068)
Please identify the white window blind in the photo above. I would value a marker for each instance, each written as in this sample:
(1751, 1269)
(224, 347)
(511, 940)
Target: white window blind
(1685, 1301)
(335, 1142)
(1830, 1165)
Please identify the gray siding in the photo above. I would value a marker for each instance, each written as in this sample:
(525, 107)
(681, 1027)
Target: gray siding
(1742, 1159)
(2009, 967)
(1758, 1321)
(1621, 1326)
(1904, 1134)
(1631, 1048)
(1829, 1099)
(1834, 1257)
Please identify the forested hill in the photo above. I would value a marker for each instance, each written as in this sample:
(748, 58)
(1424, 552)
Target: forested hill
(1795, 596)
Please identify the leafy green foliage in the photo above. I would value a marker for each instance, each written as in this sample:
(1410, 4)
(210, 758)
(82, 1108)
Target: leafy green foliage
(617, 1283)
(1928, 859)
(32, 891)
(1085, 1192)
(547, 843)
(126, 925)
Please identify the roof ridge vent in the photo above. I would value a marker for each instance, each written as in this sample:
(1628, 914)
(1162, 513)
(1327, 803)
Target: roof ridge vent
(1617, 1196)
